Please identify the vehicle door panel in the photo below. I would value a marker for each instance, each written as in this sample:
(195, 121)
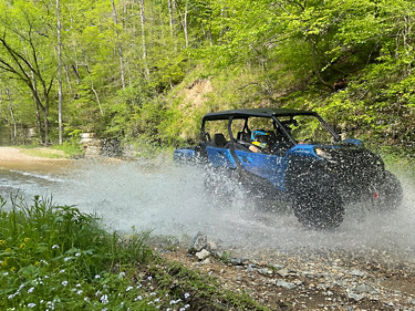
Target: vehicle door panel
(270, 167)
(220, 157)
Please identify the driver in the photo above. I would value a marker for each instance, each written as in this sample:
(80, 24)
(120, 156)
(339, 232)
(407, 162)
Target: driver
(260, 141)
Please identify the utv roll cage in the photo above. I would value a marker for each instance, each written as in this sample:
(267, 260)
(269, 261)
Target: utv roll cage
(273, 114)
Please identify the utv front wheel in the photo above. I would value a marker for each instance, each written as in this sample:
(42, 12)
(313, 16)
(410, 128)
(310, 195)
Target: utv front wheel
(319, 210)
(388, 193)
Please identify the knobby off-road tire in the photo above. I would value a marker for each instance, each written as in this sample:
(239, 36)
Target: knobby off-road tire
(390, 193)
(319, 213)
(318, 206)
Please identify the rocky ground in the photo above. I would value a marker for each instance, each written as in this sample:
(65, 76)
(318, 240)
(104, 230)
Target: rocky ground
(306, 280)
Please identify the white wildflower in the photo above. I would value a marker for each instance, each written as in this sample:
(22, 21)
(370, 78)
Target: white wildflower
(182, 309)
(139, 286)
(121, 275)
(129, 288)
(186, 295)
(30, 290)
(10, 297)
(41, 301)
(55, 246)
(78, 285)
(86, 299)
(67, 258)
(150, 302)
(157, 300)
(62, 271)
(98, 293)
(79, 292)
(105, 309)
(104, 299)
(77, 254)
(51, 305)
(150, 278)
(31, 305)
(168, 309)
(97, 276)
(138, 298)
(152, 294)
(20, 287)
(42, 261)
(5, 273)
(186, 306)
(64, 283)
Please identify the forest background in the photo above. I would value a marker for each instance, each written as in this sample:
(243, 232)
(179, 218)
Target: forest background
(146, 71)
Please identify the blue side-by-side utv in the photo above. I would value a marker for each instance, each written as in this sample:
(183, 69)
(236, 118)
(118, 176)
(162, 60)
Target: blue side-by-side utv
(294, 156)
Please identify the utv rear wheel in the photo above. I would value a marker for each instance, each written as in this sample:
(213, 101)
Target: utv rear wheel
(319, 210)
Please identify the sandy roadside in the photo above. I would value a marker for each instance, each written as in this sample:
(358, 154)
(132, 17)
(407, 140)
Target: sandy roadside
(15, 158)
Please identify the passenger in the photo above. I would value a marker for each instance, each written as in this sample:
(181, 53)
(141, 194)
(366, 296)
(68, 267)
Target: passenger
(260, 141)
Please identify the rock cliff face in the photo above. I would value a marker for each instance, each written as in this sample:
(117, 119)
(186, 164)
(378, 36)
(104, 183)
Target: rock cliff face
(91, 145)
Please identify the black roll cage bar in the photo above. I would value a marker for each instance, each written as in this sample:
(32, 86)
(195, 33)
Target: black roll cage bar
(274, 118)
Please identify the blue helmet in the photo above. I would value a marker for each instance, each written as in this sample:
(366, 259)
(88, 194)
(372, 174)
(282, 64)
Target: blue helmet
(260, 138)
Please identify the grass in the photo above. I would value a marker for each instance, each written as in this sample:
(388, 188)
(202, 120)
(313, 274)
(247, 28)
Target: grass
(69, 148)
(57, 258)
(66, 150)
(398, 160)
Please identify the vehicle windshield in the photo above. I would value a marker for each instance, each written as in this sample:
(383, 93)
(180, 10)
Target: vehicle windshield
(307, 129)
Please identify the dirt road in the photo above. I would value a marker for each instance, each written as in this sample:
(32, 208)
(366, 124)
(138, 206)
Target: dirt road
(16, 158)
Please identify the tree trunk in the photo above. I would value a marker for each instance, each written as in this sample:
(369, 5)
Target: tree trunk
(118, 43)
(38, 109)
(46, 121)
(97, 97)
(186, 34)
(60, 93)
(170, 7)
(143, 38)
(14, 135)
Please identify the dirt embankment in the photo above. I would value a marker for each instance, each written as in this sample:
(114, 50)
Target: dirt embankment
(21, 159)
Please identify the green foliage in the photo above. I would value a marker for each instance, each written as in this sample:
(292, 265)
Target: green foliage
(58, 258)
(351, 60)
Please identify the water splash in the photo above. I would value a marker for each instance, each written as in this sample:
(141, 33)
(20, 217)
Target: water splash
(167, 199)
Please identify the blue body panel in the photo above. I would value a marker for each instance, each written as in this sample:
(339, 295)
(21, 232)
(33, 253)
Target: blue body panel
(353, 141)
(220, 157)
(184, 154)
(270, 167)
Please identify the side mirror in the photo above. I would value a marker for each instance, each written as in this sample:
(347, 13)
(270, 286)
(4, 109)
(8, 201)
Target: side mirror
(352, 141)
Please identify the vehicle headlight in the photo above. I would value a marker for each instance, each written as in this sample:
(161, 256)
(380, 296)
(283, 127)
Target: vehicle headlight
(323, 154)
